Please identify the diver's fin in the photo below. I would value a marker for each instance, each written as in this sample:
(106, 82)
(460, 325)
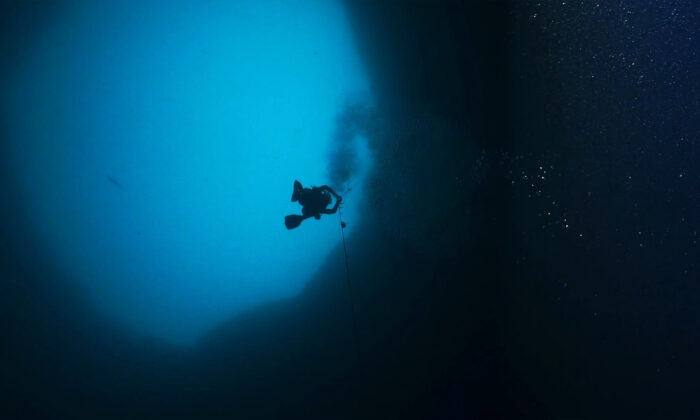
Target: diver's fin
(292, 221)
(297, 190)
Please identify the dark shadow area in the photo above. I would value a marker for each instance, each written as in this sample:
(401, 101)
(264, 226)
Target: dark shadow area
(483, 287)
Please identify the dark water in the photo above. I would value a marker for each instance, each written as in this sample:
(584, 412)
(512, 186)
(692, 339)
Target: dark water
(526, 244)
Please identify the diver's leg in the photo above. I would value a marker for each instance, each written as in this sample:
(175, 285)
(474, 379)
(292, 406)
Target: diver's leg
(296, 194)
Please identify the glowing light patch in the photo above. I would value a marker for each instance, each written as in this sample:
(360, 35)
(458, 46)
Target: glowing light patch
(157, 147)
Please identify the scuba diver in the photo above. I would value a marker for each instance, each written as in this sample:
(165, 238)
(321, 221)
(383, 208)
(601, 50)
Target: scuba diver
(314, 201)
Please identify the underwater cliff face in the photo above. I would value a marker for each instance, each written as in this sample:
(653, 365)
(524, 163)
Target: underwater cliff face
(527, 246)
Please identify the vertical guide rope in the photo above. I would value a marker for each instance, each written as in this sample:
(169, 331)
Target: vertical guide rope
(347, 276)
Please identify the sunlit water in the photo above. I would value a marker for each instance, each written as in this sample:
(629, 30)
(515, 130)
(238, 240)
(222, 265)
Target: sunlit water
(156, 148)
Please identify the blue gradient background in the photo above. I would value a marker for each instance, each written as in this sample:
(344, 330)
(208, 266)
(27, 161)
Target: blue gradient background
(205, 113)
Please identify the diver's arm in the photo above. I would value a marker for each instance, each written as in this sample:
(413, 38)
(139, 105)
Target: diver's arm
(334, 209)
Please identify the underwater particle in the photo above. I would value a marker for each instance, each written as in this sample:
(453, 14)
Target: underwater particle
(115, 182)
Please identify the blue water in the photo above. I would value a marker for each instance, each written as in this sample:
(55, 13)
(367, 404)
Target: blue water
(521, 191)
(156, 148)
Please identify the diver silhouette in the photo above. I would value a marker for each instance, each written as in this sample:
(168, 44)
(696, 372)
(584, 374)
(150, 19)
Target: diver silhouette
(314, 201)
